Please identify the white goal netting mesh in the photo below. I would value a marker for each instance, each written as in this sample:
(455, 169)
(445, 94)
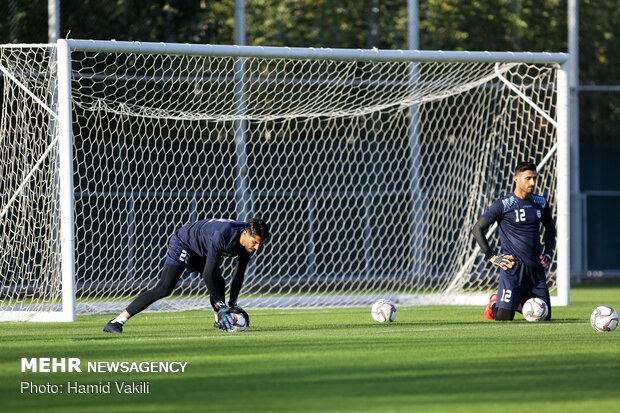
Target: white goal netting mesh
(370, 174)
(29, 219)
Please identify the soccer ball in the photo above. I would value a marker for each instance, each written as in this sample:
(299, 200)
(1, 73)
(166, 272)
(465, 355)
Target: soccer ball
(383, 310)
(239, 323)
(535, 309)
(604, 318)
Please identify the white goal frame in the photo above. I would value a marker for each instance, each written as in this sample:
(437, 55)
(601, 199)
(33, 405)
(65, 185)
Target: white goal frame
(65, 47)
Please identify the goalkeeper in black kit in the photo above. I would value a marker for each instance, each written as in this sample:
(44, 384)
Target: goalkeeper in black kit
(199, 246)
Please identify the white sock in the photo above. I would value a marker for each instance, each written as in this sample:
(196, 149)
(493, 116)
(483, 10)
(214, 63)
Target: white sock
(120, 319)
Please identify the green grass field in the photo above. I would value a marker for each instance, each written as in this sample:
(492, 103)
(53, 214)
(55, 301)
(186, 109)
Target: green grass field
(432, 359)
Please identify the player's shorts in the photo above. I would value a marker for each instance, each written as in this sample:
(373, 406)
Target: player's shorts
(519, 284)
(181, 255)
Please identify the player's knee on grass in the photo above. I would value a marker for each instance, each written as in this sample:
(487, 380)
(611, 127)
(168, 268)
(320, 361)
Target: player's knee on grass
(503, 314)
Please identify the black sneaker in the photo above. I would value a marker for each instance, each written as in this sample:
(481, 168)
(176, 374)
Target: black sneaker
(113, 327)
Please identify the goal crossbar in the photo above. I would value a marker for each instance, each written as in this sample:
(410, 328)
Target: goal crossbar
(272, 52)
(374, 147)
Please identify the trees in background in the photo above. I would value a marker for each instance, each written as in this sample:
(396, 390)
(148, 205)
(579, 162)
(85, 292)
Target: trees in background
(501, 25)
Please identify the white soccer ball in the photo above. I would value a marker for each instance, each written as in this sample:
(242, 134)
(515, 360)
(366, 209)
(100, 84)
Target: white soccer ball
(239, 323)
(604, 318)
(535, 309)
(383, 311)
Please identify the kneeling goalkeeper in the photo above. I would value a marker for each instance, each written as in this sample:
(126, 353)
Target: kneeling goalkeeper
(199, 246)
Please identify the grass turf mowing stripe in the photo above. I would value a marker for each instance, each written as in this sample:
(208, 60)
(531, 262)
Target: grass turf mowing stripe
(227, 336)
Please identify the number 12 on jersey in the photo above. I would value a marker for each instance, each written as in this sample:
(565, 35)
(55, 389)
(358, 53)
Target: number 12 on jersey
(519, 215)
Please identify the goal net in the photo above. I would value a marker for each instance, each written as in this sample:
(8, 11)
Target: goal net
(30, 265)
(370, 169)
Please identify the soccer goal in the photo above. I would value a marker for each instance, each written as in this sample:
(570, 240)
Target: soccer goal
(370, 167)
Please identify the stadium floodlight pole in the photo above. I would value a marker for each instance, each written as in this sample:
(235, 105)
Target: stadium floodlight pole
(417, 203)
(243, 199)
(65, 154)
(577, 244)
(563, 185)
(13, 21)
(53, 20)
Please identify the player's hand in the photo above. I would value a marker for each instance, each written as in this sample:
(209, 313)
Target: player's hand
(224, 319)
(503, 261)
(545, 260)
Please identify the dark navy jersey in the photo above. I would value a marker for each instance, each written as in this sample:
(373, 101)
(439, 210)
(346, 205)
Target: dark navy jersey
(214, 238)
(519, 225)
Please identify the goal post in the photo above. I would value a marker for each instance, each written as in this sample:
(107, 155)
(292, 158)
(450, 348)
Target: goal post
(370, 167)
(563, 181)
(65, 178)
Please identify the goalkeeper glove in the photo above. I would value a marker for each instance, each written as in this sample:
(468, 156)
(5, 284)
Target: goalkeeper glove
(503, 261)
(224, 319)
(545, 260)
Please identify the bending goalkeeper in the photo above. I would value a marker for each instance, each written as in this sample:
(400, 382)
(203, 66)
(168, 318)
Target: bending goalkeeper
(199, 246)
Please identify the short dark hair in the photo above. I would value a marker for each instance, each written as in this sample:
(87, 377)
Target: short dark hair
(257, 226)
(525, 166)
